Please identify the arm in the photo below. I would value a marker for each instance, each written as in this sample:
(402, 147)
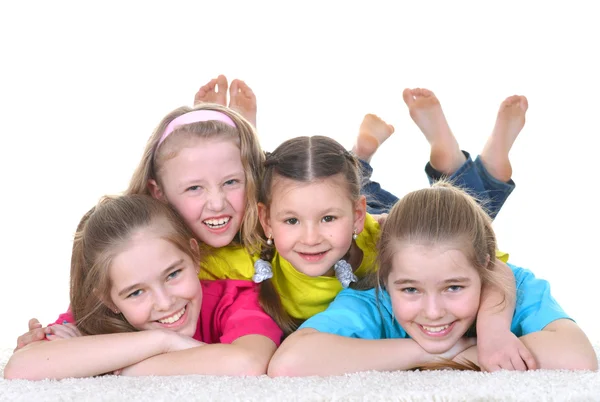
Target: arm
(497, 347)
(310, 352)
(561, 345)
(248, 355)
(85, 356)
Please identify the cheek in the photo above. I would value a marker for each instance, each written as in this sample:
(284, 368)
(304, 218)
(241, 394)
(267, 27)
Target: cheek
(403, 310)
(237, 199)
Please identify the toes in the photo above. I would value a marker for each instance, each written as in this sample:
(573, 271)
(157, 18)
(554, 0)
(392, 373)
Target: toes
(221, 84)
(407, 95)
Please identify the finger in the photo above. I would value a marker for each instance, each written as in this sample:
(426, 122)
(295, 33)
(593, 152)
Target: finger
(518, 363)
(528, 358)
(34, 323)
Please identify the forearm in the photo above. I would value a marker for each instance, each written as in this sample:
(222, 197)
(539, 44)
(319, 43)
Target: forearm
(561, 345)
(497, 305)
(248, 355)
(309, 352)
(83, 356)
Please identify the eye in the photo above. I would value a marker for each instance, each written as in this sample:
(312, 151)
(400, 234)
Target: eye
(231, 182)
(291, 221)
(193, 188)
(328, 218)
(135, 293)
(409, 290)
(174, 274)
(455, 288)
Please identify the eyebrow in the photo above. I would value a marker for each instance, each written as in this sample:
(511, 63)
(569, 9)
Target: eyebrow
(233, 175)
(322, 213)
(458, 279)
(137, 285)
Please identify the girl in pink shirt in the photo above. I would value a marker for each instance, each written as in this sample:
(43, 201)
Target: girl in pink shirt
(135, 292)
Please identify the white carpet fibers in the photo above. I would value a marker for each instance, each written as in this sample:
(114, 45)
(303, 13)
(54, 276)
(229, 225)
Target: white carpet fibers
(541, 385)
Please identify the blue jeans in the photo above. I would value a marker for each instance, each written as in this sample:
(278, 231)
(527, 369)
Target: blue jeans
(471, 176)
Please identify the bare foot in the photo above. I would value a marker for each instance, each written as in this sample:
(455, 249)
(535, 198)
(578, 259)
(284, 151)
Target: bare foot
(243, 100)
(372, 133)
(510, 122)
(215, 91)
(426, 111)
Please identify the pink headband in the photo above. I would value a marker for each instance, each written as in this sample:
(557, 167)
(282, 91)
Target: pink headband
(195, 116)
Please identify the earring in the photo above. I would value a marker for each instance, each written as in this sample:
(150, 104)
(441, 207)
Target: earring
(354, 235)
(115, 311)
(270, 239)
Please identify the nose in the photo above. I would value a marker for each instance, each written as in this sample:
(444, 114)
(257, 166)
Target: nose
(311, 235)
(216, 200)
(434, 308)
(162, 299)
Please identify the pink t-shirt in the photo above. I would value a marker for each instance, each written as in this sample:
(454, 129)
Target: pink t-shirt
(230, 310)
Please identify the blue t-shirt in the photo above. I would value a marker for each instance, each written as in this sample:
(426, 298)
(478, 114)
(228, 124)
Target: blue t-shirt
(367, 314)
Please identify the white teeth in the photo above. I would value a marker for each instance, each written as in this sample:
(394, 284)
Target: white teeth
(216, 223)
(435, 329)
(173, 318)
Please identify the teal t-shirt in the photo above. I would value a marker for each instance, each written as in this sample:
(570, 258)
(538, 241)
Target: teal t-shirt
(368, 314)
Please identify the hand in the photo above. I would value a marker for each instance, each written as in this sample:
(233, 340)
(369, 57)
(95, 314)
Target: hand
(462, 345)
(64, 331)
(502, 350)
(36, 333)
(175, 342)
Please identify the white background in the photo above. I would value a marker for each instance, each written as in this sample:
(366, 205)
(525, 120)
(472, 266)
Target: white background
(82, 87)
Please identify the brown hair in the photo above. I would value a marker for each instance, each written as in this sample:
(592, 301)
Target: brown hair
(101, 235)
(244, 136)
(442, 213)
(302, 159)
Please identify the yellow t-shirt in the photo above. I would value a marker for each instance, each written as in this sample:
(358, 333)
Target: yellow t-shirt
(303, 296)
(230, 262)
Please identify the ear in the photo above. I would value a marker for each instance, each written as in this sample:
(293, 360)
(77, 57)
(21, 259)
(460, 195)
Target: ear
(155, 190)
(263, 216)
(360, 213)
(108, 303)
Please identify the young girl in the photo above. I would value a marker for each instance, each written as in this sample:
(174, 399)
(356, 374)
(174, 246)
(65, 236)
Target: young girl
(206, 163)
(135, 292)
(436, 256)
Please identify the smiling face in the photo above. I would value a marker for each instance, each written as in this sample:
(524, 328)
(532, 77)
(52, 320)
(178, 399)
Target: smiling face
(205, 183)
(312, 223)
(155, 285)
(435, 293)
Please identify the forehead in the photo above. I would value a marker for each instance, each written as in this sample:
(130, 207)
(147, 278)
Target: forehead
(430, 263)
(208, 156)
(146, 255)
(320, 193)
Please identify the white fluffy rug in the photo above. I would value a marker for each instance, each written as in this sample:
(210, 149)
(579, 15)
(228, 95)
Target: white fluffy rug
(539, 385)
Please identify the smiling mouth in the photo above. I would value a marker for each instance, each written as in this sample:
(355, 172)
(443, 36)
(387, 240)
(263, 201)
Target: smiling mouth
(437, 331)
(173, 318)
(217, 223)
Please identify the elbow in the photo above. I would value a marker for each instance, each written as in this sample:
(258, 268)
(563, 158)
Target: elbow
(285, 363)
(251, 365)
(15, 371)
(587, 362)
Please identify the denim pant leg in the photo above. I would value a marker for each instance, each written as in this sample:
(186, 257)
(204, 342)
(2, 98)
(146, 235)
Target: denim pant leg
(474, 178)
(379, 201)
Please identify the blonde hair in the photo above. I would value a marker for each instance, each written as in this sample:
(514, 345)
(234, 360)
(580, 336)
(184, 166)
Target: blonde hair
(446, 214)
(303, 159)
(244, 136)
(101, 235)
